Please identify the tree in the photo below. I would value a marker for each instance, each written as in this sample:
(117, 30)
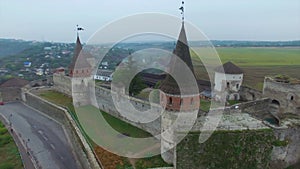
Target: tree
(137, 85)
(124, 73)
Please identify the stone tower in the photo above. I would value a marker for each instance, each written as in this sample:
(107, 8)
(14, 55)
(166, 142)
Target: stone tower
(80, 72)
(177, 101)
(228, 81)
(80, 65)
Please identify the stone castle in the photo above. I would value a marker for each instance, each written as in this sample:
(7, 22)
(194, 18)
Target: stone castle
(279, 101)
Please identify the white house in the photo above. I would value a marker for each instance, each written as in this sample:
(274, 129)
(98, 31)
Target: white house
(104, 75)
(228, 80)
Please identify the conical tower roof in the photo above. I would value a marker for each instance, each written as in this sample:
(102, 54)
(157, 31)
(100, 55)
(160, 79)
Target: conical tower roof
(182, 49)
(80, 58)
(229, 68)
(182, 52)
(78, 48)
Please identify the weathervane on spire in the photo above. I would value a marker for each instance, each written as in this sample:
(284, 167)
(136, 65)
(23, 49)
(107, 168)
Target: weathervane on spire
(182, 10)
(78, 29)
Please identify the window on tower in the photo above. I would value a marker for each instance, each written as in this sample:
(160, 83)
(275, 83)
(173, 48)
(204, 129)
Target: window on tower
(170, 100)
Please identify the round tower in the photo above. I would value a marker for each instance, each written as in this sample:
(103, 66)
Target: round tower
(177, 101)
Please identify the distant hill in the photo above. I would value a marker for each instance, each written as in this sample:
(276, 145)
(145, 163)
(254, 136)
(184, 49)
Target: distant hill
(218, 43)
(12, 46)
(170, 45)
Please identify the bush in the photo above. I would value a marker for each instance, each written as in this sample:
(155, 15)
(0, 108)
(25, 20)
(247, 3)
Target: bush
(4, 139)
(279, 143)
(6, 166)
(3, 131)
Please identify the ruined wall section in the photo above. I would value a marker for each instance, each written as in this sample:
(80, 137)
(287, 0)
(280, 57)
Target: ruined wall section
(249, 94)
(286, 152)
(285, 95)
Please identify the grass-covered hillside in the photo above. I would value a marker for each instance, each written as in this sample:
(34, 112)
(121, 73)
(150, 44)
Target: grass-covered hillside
(247, 149)
(9, 154)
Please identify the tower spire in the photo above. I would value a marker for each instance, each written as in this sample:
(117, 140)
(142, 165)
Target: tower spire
(78, 29)
(182, 10)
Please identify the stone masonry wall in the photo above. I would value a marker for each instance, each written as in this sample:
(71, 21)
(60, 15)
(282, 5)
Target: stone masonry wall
(257, 109)
(288, 153)
(286, 95)
(249, 94)
(106, 104)
(10, 94)
(62, 84)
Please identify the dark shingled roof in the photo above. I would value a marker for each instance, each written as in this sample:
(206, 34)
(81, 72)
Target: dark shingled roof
(182, 51)
(15, 82)
(229, 68)
(80, 57)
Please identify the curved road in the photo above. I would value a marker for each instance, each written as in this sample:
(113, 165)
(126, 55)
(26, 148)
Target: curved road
(43, 138)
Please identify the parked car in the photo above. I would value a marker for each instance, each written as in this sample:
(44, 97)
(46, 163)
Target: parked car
(1, 103)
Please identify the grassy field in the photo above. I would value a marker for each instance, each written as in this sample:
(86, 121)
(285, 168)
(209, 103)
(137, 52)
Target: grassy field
(256, 63)
(261, 56)
(108, 159)
(9, 154)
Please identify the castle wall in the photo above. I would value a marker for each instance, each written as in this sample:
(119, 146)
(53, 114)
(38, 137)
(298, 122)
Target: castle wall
(285, 95)
(83, 96)
(249, 94)
(105, 103)
(257, 109)
(288, 153)
(62, 83)
(10, 94)
(76, 87)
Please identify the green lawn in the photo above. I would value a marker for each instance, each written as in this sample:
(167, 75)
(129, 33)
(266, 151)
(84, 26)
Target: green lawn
(124, 127)
(9, 154)
(205, 105)
(57, 98)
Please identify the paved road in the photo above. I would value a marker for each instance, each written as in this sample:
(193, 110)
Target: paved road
(48, 144)
(26, 159)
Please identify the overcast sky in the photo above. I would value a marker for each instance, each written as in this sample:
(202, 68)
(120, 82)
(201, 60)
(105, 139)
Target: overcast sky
(55, 20)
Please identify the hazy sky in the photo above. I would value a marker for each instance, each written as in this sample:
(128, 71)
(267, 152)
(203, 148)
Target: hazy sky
(55, 20)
